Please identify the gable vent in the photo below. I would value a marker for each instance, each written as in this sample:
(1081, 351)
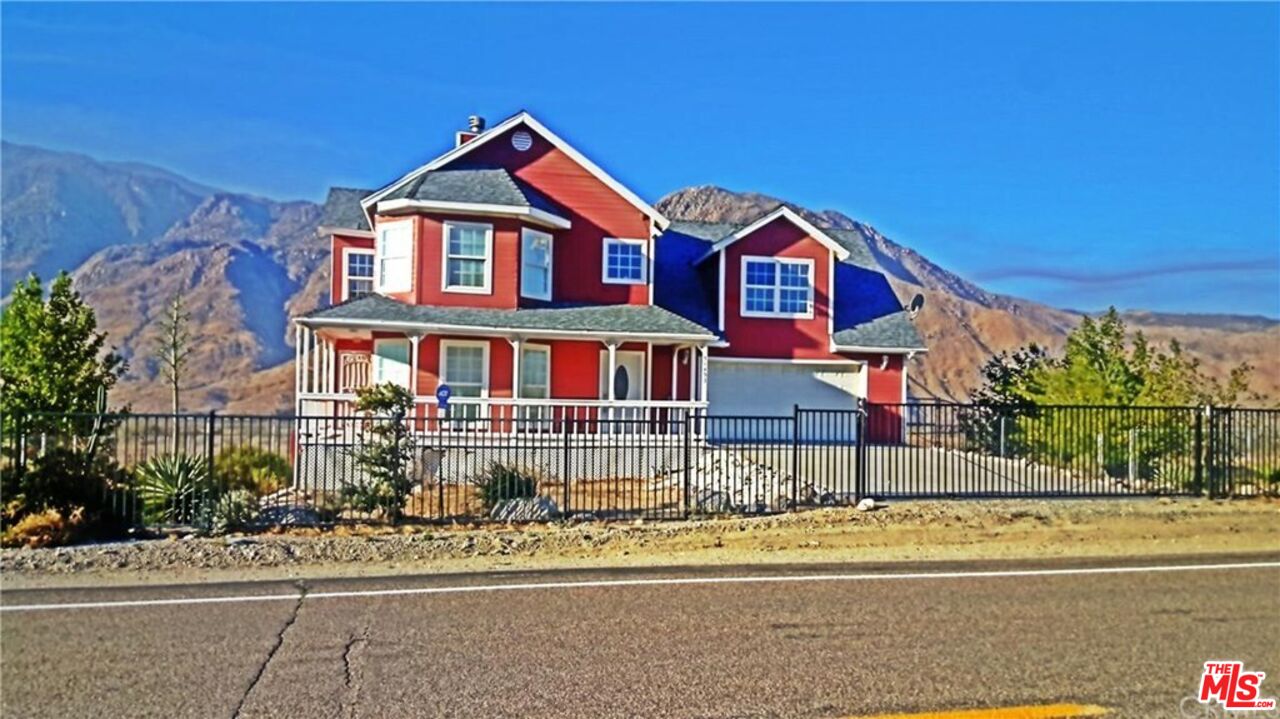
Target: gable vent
(521, 140)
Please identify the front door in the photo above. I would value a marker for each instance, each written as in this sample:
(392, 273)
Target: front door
(627, 376)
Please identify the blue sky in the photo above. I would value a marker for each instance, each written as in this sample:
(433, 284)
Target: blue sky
(1076, 154)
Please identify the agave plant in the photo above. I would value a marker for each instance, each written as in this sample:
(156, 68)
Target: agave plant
(174, 488)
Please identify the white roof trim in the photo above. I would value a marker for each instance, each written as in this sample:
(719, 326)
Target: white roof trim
(329, 231)
(533, 214)
(528, 120)
(785, 212)
(878, 350)
(492, 331)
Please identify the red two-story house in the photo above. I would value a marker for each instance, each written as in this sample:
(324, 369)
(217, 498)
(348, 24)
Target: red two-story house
(519, 273)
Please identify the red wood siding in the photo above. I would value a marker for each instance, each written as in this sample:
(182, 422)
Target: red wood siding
(595, 210)
(428, 262)
(884, 387)
(777, 337)
(337, 274)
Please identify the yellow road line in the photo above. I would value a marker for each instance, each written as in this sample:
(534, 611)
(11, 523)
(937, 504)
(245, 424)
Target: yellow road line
(1046, 711)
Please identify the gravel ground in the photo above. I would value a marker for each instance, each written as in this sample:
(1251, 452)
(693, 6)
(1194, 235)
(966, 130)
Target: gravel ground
(907, 530)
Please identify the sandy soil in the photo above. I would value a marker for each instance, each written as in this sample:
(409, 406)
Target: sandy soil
(903, 531)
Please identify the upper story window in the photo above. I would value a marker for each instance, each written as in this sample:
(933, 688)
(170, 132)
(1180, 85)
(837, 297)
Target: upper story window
(777, 287)
(358, 273)
(626, 262)
(535, 264)
(394, 256)
(468, 257)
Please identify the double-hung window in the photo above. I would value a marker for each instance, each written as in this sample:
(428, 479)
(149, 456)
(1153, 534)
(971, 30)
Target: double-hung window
(626, 262)
(464, 366)
(391, 361)
(468, 257)
(535, 264)
(394, 257)
(535, 383)
(358, 273)
(777, 287)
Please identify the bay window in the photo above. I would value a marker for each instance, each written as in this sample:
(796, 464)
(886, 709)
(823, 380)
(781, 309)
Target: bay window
(468, 257)
(394, 256)
(358, 272)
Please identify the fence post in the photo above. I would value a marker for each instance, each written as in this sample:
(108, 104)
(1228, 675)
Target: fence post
(564, 466)
(208, 441)
(1198, 486)
(1210, 451)
(860, 471)
(795, 453)
(688, 463)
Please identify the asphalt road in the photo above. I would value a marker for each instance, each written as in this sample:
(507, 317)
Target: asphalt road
(874, 639)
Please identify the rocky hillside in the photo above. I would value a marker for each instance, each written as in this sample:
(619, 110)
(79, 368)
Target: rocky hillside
(964, 324)
(135, 235)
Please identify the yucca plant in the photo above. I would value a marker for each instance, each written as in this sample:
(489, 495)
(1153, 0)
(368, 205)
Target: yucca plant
(174, 488)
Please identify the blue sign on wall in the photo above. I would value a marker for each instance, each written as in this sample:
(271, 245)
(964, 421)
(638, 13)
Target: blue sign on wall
(443, 393)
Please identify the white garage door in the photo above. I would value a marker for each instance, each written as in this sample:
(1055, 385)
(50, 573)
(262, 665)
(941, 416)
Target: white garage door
(769, 389)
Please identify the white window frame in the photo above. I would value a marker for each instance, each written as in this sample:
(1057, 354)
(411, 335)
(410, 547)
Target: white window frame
(444, 363)
(644, 264)
(377, 361)
(347, 252)
(777, 287)
(383, 228)
(526, 232)
(544, 349)
(487, 287)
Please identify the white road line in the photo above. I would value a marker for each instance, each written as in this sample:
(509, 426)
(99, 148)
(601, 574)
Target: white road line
(654, 582)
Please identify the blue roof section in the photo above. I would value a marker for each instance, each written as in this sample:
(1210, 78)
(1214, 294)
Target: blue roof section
(679, 285)
(868, 312)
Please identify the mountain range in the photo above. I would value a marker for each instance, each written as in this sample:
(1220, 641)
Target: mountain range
(134, 235)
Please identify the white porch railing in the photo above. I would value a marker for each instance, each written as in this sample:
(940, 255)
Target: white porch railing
(331, 417)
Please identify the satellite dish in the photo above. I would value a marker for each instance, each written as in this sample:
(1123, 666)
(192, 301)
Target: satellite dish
(916, 304)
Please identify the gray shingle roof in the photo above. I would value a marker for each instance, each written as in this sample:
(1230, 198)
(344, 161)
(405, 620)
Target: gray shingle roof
(601, 319)
(342, 209)
(895, 330)
(485, 185)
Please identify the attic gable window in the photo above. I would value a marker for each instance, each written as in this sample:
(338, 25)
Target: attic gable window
(777, 287)
(468, 257)
(626, 261)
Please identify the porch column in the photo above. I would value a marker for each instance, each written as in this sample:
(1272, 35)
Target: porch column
(693, 365)
(306, 360)
(414, 339)
(703, 371)
(613, 367)
(675, 364)
(297, 368)
(516, 345)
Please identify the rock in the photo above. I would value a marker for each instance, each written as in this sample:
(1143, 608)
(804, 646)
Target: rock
(288, 516)
(525, 509)
(867, 504)
(712, 502)
(235, 541)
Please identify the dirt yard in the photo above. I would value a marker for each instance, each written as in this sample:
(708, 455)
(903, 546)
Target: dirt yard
(900, 531)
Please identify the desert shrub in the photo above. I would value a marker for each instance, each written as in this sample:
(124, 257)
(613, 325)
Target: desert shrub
(175, 489)
(501, 482)
(233, 510)
(45, 528)
(249, 468)
(63, 484)
(386, 458)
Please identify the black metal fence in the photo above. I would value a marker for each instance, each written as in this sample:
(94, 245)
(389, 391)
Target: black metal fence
(228, 470)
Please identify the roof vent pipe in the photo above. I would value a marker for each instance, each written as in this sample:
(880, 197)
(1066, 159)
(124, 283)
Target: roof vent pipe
(476, 123)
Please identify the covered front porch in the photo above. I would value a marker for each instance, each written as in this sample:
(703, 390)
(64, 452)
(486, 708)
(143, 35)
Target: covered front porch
(549, 371)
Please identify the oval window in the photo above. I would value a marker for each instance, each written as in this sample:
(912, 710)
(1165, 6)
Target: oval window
(621, 383)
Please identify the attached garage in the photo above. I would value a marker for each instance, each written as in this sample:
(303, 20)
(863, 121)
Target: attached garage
(772, 389)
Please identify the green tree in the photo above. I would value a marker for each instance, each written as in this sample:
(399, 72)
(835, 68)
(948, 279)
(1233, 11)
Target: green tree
(52, 356)
(387, 456)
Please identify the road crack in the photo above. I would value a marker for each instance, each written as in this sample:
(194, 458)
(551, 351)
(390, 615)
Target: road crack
(262, 669)
(351, 684)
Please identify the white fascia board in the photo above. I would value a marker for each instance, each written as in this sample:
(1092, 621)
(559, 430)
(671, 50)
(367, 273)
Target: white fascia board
(440, 328)
(497, 130)
(801, 361)
(532, 214)
(327, 231)
(878, 350)
(785, 212)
